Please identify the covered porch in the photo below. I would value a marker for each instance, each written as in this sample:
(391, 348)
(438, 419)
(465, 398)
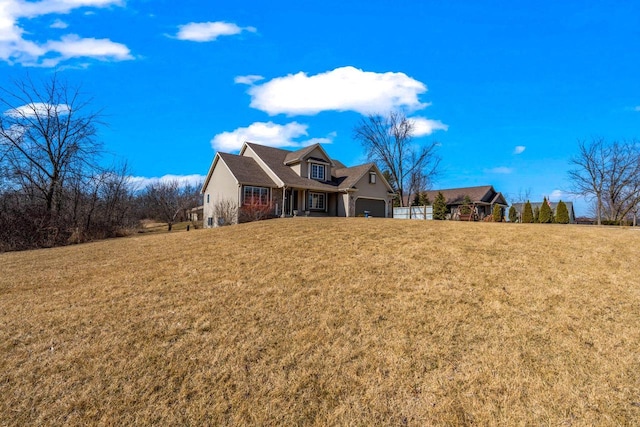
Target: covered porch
(306, 202)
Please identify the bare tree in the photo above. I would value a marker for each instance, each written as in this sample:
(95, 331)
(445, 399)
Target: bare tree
(167, 200)
(53, 188)
(589, 174)
(47, 137)
(610, 174)
(388, 141)
(522, 196)
(622, 188)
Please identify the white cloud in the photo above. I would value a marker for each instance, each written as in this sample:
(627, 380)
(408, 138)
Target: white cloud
(140, 182)
(423, 126)
(342, 89)
(37, 108)
(59, 24)
(503, 170)
(29, 9)
(519, 149)
(209, 31)
(557, 195)
(269, 133)
(15, 48)
(72, 46)
(14, 132)
(248, 80)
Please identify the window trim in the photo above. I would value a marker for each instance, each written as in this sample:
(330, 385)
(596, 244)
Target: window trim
(320, 196)
(319, 166)
(372, 177)
(263, 200)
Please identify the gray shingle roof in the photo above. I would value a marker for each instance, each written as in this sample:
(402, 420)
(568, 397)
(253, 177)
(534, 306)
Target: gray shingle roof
(480, 194)
(348, 177)
(275, 160)
(246, 170)
(296, 156)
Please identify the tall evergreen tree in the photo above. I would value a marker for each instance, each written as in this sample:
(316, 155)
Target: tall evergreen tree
(545, 216)
(497, 213)
(440, 207)
(562, 213)
(513, 215)
(527, 214)
(536, 215)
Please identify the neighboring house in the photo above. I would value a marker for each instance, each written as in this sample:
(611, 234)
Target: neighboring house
(289, 183)
(196, 214)
(520, 209)
(483, 198)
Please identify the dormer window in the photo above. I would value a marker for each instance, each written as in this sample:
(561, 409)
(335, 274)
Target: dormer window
(317, 171)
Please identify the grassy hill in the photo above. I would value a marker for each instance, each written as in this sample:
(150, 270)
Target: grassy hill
(326, 321)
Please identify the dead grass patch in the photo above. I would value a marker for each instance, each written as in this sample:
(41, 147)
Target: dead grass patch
(326, 321)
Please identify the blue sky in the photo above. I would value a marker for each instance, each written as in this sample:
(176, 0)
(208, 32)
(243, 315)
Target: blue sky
(506, 88)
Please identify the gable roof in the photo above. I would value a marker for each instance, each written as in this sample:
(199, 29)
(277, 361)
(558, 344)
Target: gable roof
(349, 177)
(274, 158)
(297, 156)
(246, 170)
(484, 194)
(266, 168)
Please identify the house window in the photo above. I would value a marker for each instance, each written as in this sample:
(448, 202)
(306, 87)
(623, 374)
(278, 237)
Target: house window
(207, 198)
(317, 171)
(210, 221)
(255, 195)
(372, 178)
(317, 201)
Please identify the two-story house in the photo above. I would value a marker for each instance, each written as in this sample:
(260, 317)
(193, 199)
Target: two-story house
(288, 183)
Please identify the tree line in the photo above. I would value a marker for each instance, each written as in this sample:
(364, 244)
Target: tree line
(608, 173)
(542, 215)
(54, 187)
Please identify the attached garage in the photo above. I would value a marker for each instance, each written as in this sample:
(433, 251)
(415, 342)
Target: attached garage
(373, 206)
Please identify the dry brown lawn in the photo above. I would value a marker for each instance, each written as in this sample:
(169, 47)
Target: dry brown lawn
(326, 322)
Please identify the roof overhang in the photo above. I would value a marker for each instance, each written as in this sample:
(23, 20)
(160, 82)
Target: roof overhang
(208, 178)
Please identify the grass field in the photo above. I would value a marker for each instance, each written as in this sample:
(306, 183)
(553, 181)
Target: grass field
(326, 322)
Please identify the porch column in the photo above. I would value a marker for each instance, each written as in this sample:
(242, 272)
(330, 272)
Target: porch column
(284, 201)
